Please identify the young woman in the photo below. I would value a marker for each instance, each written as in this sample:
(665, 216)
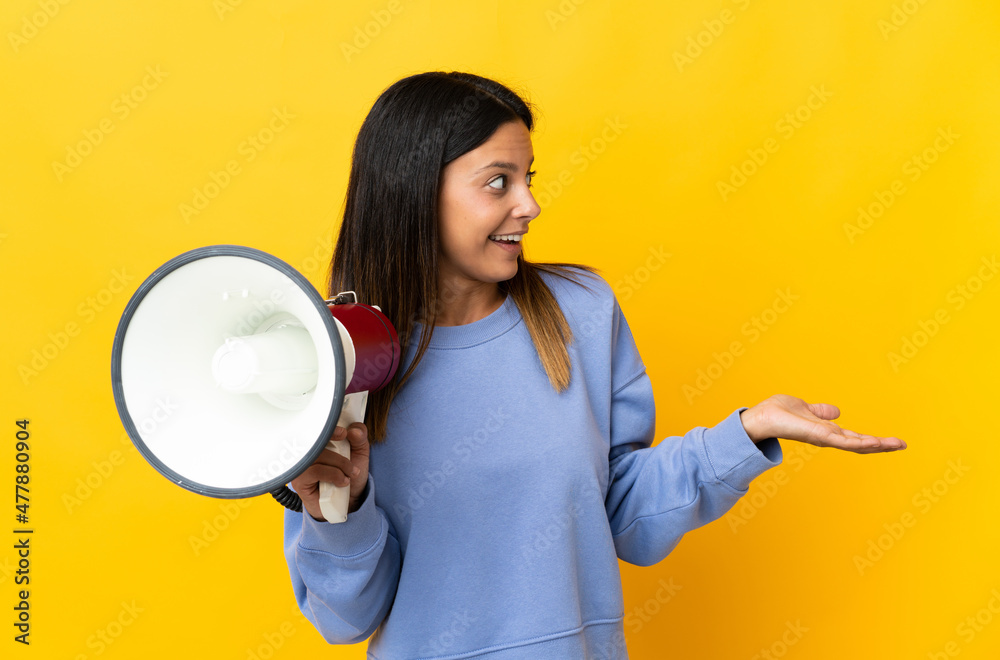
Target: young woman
(509, 465)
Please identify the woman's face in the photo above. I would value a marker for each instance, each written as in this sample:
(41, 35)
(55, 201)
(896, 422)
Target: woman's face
(485, 205)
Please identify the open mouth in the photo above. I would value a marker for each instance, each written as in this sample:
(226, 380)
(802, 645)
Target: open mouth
(509, 239)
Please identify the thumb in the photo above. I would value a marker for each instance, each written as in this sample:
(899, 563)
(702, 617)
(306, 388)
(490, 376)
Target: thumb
(824, 410)
(357, 435)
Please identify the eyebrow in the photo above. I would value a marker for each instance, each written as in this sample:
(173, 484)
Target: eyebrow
(504, 165)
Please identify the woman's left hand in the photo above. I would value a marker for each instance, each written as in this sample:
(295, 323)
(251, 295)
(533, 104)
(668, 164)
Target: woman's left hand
(784, 416)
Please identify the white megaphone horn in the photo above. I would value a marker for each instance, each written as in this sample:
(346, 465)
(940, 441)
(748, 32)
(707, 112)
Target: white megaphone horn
(230, 372)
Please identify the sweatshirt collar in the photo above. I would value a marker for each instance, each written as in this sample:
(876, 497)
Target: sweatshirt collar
(502, 319)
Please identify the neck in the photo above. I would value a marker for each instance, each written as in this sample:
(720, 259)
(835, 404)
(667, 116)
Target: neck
(463, 303)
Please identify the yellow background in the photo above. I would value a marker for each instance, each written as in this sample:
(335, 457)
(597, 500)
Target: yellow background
(890, 76)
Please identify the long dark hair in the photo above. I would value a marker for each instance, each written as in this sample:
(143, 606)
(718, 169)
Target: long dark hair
(387, 249)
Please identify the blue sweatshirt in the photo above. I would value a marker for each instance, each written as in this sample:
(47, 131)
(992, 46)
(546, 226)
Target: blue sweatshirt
(497, 508)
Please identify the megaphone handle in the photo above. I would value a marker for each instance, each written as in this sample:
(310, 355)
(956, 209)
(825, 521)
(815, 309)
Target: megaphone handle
(333, 500)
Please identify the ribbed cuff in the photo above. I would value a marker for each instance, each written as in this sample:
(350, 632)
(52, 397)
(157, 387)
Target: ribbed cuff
(354, 536)
(736, 459)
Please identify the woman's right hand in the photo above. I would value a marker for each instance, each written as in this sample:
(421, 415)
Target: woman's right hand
(333, 468)
(789, 417)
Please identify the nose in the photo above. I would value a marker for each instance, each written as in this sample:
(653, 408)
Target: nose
(527, 208)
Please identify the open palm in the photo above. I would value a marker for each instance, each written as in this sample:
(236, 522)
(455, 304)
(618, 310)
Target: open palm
(789, 417)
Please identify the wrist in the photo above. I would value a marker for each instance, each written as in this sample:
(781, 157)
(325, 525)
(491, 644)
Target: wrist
(356, 502)
(751, 426)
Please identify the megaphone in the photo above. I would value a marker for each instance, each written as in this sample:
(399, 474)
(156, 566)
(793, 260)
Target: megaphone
(230, 372)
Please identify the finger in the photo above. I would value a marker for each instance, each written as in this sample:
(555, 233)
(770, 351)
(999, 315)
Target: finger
(872, 441)
(336, 460)
(357, 435)
(334, 475)
(841, 438)
(326, 473)
(865, 444)
(339, 434)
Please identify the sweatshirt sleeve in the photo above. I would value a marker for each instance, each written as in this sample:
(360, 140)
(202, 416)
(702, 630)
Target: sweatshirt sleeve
(344, 575)
(657, 494)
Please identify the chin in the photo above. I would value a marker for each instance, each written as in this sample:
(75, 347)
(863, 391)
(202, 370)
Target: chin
(507, 274)
(496, 273)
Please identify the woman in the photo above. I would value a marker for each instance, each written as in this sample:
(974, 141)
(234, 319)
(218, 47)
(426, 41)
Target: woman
(508, 466)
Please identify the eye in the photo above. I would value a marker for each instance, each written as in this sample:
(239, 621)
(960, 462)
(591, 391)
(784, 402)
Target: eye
(501, 180)
(528, 178)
